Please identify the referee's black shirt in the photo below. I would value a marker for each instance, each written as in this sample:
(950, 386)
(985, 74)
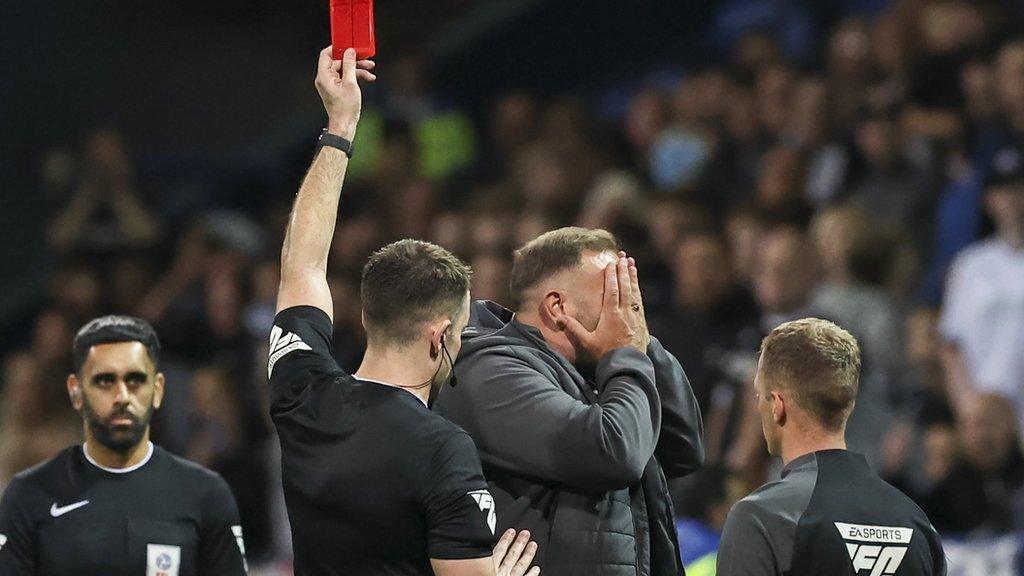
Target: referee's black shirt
(165, 517)
(375, 483)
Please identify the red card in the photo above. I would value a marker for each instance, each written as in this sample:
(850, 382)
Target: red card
(352, 27)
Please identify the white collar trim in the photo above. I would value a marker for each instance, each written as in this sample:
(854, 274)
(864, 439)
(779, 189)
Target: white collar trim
(393, 386)
(149, 454)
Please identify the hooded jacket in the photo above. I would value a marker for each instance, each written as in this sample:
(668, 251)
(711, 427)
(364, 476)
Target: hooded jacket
(581, 463)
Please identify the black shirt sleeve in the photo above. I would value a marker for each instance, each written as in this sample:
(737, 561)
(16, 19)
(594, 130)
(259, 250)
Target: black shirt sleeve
(299, 353)
(17, 543)
(460, 511)
(221, 548)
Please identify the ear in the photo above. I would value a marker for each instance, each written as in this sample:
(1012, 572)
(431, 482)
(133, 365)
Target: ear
(75, 391)
(778, 408)
(550, 308)
(437, 335)
(158, 390)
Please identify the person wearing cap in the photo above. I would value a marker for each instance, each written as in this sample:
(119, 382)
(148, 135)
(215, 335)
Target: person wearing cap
(116, 504)
(982, 319)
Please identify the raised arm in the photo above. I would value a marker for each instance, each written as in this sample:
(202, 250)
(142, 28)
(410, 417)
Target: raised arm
(311, 224)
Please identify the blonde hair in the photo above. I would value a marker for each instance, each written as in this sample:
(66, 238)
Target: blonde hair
(819, 363)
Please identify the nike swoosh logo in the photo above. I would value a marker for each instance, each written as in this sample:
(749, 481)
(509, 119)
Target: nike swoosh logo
(56, 511)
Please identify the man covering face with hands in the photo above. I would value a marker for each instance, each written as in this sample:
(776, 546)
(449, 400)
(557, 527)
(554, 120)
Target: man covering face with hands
(580, 416)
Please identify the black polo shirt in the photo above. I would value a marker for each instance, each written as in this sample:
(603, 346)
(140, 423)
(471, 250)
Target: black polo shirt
(164, 517)
(375, 483)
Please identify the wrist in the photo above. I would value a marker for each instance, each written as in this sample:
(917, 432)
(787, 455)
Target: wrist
(346, 130)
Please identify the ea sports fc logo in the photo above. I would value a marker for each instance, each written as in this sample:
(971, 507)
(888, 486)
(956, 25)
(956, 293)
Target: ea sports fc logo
(485, 501)
(878, 550)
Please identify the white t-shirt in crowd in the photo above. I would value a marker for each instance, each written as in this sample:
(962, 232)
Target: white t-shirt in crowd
(983, 314)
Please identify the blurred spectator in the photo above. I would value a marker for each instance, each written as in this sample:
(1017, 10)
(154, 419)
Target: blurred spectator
(891, 187)
(712, 328)
(974, 474)
(983, 313)
(786, 274)
(780, 185)
(105, 212)
(852, 249)
(744, 229)
(221, 439)
(36, 418)
(37, 421)
(490, 277)
(924, 355)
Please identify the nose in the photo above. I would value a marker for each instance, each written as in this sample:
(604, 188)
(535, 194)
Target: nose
(122, 393)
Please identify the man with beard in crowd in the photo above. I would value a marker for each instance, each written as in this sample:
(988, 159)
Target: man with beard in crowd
(117, 504)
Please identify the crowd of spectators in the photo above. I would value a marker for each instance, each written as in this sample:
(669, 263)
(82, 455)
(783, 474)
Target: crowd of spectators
(875, 178)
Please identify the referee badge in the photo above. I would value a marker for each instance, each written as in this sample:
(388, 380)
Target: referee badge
(485, 501)
(162, 560)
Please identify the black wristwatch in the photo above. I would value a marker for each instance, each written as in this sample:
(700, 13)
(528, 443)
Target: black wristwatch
(328, 139)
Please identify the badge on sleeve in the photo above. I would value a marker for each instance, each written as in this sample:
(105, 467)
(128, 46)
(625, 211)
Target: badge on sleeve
(162, 560)
(486, 503)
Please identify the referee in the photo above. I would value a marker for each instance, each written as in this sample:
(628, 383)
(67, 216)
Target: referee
(117, 505)
(374, 482)
(830, 513)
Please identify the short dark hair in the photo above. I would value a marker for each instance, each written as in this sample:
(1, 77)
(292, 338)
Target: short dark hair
(111, 330)
(407, 283)
(552, 252)
(819, 363)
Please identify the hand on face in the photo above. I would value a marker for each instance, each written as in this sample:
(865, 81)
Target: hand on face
(622, 322)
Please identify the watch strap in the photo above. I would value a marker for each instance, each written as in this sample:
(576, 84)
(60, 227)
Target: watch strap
(335, 141)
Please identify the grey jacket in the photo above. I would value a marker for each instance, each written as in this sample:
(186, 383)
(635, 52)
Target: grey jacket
(580, 463)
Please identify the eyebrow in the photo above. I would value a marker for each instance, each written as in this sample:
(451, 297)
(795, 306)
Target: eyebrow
(133, 374)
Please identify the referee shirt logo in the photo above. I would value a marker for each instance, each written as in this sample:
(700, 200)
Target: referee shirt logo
(162, 560)
(486, 503)
(281, 345)
(879, 550)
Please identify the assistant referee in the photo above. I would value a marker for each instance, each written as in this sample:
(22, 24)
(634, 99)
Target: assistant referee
(374, 482)
(117, 505)
(830, 513)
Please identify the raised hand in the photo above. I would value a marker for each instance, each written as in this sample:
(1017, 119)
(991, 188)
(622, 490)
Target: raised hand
(337, 82)
(637, 301)
(621, 324)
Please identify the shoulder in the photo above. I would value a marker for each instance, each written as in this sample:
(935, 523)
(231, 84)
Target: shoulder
(783, 500)
(41, 474)
(493, 348)
(501, 360)
(49, 467)
(201, 480)
(440, 433)
(40, 482)
(892, 498)
(759, 504)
